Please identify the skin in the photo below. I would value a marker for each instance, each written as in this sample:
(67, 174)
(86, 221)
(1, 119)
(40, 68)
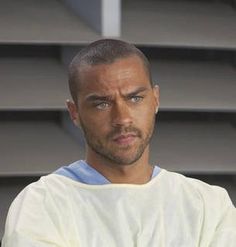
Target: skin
(116, 110)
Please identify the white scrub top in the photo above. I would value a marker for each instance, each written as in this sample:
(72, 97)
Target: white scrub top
(170, 210)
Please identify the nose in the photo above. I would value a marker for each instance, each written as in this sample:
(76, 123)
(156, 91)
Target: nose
(121, 115)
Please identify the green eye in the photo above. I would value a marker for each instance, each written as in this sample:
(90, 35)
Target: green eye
(102, 105)
(136, 98)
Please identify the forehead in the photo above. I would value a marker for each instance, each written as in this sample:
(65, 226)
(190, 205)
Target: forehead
(123, 74)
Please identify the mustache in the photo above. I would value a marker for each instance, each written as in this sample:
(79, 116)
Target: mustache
(123, 131)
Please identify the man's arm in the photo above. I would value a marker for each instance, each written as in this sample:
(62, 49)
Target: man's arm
(225, 234)
(32, 220)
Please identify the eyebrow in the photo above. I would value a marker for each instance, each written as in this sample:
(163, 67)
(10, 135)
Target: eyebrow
(137, 91)
(95, 97)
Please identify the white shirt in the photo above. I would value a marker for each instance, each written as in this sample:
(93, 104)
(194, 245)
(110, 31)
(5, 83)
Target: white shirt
(168, 211)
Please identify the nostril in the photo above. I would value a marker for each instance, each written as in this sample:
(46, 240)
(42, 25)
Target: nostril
(122, 121)
(121, 116)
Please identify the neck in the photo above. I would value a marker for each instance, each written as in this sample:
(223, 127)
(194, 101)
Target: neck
(139, 172)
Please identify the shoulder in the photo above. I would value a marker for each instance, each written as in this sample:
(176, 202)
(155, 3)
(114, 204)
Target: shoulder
(197, 189)
(43, 201)
(210, 204)
(43, 188)
(47, 195)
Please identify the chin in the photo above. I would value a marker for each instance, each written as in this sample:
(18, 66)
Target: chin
(124, 160)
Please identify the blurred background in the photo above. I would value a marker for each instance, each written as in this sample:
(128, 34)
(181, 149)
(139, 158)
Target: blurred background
(191, 45)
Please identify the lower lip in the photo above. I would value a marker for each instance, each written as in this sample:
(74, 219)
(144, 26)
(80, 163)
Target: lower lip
(125, 140)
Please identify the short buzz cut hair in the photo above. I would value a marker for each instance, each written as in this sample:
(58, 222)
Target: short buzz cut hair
(104, 51)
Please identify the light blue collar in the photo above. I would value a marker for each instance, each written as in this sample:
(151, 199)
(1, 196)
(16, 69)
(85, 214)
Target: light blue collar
(82, 172)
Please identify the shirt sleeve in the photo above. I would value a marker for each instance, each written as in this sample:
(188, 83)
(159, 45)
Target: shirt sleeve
(225, 234)
(32, 220)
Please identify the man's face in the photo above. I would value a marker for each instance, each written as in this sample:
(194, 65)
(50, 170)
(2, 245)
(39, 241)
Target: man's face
(116, 110)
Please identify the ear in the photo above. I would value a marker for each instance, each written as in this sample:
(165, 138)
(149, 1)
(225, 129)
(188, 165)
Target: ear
(156, 92)
(73, 110)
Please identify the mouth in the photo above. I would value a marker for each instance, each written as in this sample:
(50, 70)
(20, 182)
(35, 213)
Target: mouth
(124, 139)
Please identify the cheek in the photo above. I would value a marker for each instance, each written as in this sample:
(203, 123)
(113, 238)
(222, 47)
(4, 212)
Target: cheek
(146, 121)
(148, 124)
(95, 123)
(145, 115)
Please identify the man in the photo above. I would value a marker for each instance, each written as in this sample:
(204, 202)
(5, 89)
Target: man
(114, 197)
